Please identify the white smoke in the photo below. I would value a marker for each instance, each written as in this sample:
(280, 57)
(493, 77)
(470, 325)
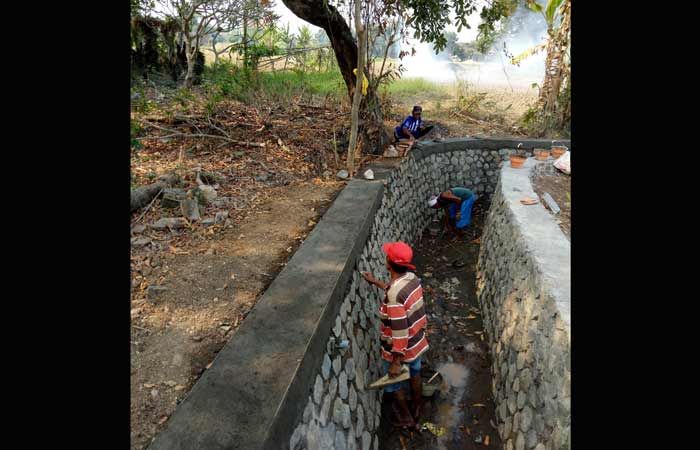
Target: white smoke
(426, 64)
(526, 30)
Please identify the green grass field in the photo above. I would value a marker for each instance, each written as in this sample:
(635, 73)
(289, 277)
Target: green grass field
(320, 83)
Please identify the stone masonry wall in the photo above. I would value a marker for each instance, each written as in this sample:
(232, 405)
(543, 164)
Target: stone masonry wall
(292, 387)
(523, 285)
(340, 413)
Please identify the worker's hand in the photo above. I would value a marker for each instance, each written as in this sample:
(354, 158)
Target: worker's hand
(395, 368)
(369, 277)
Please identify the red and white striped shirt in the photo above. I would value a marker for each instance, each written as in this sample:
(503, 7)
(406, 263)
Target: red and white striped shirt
(403, 319)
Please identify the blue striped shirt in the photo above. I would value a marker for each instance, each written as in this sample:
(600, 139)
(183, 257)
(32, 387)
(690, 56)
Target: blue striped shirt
(413, 126)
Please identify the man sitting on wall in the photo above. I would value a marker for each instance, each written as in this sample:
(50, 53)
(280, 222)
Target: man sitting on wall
(403, 326)
(457, 203)
(412, 127)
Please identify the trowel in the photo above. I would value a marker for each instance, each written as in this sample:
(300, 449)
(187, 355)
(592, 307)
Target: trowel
(386, 380)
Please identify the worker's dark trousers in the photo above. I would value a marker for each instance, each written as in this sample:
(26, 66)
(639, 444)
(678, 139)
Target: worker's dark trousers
(421, 133)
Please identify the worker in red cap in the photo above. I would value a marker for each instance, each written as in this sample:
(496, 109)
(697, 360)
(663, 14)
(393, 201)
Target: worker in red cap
(403, 325)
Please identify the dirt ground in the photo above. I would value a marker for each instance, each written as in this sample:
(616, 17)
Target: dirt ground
(462, 411)
(210, 289)
(273, 169)
(496, 111)
(192, 287)
(558, 186)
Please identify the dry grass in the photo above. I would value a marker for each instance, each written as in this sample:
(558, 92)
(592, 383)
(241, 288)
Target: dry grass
(455, 105)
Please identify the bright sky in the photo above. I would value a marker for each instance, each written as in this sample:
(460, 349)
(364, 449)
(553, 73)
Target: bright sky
(286, 16)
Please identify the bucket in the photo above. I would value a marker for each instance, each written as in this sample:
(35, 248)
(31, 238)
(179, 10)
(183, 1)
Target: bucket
(558, 150)
(541, 154)
(517, 161)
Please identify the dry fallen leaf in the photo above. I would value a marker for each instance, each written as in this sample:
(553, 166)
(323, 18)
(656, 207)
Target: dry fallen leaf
(486, 441)
(479, 405)
(162, 420)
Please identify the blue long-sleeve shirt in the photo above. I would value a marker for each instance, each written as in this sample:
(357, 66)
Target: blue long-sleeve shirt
(413, 126)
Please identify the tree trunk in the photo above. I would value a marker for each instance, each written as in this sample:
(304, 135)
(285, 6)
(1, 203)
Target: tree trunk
(326, 16)
(191, 60)
(357, 95)
(213, 48)
(245, 38)
(556, 73)
(191, 54)
(142, 196)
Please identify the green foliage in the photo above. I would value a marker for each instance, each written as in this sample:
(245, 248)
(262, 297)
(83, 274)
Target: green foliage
(469, 100)
(404, 87)
(303, 39)
(494, 22)
(226, 80)
(431, 17)
(496, 17)
(536, 7)
(322, 37)
(139, 97)
(184, 97)
(288, 82)
(550, 10)
(213, 96)
(380, 42)
(135, 131)
(452, 47)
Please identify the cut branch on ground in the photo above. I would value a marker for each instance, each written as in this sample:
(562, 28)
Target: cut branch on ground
(145, 194)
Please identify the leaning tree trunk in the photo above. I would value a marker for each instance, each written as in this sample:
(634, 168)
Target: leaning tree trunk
(326, 16)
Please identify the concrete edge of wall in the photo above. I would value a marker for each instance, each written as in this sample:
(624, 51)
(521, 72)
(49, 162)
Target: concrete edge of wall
(508, 145)
(524, 290)
(550, 249)
(249, 397)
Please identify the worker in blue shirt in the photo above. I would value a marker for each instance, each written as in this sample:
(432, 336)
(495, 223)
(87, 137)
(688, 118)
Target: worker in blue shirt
(457, 203)
(412, 127)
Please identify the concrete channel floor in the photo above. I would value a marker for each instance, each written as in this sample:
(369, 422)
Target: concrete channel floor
(464, 406)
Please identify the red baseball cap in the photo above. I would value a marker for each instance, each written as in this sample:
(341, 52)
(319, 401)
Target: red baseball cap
(399, 253)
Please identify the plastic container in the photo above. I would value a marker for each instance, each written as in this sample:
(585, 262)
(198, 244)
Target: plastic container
(517, 161)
